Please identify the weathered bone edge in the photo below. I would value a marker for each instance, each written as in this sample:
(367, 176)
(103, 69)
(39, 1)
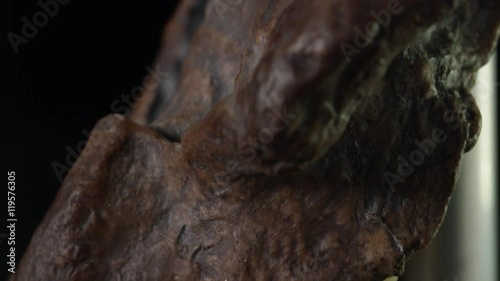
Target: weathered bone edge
(270, 154)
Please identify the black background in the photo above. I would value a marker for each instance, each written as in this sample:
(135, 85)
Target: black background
(60, 83)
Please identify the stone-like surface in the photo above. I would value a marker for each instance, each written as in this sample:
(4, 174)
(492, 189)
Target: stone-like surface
(269, 154)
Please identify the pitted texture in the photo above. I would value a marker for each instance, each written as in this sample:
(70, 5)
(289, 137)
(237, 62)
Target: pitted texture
(282, 146)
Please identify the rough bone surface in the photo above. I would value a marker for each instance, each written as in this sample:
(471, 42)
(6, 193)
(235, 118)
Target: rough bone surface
(280, 147)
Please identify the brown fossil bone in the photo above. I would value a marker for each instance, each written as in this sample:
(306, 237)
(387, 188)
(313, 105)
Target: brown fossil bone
(284, 145)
